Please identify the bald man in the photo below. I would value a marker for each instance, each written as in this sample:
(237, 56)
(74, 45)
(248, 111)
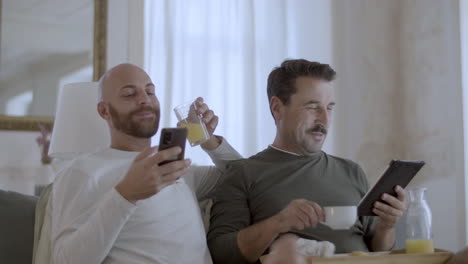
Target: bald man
(117, 205)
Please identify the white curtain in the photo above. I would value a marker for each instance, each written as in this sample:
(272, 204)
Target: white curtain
(224, 51)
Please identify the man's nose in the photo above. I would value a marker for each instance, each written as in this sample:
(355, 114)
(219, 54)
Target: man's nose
(143, 98)
(324, 117)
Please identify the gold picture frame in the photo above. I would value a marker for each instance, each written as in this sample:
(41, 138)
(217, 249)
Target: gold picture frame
(30, 123)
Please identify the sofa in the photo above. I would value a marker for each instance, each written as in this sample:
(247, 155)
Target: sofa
(17, 219)
(17, 216)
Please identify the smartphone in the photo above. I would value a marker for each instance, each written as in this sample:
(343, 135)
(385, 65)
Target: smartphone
(172, 137)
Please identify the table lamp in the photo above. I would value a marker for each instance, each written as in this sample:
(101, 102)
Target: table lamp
(78, 128)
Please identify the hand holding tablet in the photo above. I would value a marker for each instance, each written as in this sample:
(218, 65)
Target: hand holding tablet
(399, 172)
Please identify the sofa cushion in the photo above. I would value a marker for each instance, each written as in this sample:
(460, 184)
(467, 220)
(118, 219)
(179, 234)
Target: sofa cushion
(16, 227)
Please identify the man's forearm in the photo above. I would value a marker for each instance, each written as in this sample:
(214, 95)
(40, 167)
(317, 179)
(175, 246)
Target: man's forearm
(223, 153)
(212, 143)
(255, 239)
(384, 238)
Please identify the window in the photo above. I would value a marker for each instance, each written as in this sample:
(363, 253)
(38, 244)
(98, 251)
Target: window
(224, 51)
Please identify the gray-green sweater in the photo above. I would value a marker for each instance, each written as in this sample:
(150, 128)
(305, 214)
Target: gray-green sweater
(261, 186)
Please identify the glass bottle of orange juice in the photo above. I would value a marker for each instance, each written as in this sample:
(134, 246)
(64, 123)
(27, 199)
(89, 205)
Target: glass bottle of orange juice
(418, 223)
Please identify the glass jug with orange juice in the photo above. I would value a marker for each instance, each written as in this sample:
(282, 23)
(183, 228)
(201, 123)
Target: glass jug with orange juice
(418, 223)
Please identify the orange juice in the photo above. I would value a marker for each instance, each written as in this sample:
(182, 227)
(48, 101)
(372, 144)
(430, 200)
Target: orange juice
(419, 246)
(196, 132)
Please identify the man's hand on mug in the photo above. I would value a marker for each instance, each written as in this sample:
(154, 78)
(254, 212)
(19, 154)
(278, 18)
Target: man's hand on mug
(390, 213)
(211, 122)
(146, 178)
(299, 214)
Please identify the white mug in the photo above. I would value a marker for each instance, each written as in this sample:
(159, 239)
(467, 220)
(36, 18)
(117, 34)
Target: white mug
(340, 217)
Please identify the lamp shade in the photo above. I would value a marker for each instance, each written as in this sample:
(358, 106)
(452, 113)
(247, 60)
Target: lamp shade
(78, 128)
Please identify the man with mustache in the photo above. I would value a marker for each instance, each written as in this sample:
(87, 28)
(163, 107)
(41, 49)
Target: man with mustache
(276, 196)
(118, 204)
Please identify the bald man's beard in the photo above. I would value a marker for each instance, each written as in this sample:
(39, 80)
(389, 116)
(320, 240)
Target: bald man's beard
(126, 124)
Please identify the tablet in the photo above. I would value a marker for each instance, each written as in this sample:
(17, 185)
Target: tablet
(398, 172)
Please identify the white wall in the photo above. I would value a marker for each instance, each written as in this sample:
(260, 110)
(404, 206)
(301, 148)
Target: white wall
(366, 61)
(431, 106)
(399, 96)
(464, 63)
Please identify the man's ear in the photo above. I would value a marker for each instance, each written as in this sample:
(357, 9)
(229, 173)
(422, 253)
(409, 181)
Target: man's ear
(276, 108)
(102, 110)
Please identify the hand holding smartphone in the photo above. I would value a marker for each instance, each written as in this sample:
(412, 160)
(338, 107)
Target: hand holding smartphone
(173, 137)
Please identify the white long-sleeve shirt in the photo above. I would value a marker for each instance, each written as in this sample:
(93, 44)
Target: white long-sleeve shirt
(93, 223)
